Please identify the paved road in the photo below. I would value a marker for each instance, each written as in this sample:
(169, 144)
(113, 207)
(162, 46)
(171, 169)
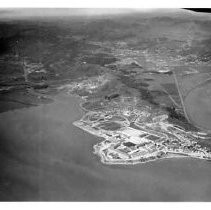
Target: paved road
(198, 106)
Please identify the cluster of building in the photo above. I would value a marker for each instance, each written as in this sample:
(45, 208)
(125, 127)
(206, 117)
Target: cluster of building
(135, 135)
(89, 85)
(34, 67)
(141, 140)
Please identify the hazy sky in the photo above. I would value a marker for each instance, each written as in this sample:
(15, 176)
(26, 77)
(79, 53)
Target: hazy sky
(20, 13)
(69, 11)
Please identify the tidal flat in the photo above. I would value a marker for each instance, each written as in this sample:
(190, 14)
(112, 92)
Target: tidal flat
(44, 157)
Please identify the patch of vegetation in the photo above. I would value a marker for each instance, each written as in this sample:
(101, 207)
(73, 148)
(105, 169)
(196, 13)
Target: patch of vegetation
(179, 119)
(112, 96)
(109, 126)
(100, 59)
(170, 88)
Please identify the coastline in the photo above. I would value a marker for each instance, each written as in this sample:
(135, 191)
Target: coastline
(99, 149)
(59, 164)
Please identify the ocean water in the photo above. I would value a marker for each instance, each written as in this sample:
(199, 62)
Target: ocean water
(46, 158)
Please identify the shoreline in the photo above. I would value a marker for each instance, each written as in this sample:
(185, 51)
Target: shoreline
(123, 154)
(103, 159)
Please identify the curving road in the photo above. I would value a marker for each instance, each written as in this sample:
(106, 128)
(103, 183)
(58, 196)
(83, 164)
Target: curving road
(198, 106)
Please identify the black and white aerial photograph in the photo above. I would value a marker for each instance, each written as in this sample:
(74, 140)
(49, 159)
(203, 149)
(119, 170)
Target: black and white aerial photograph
(105, 104)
